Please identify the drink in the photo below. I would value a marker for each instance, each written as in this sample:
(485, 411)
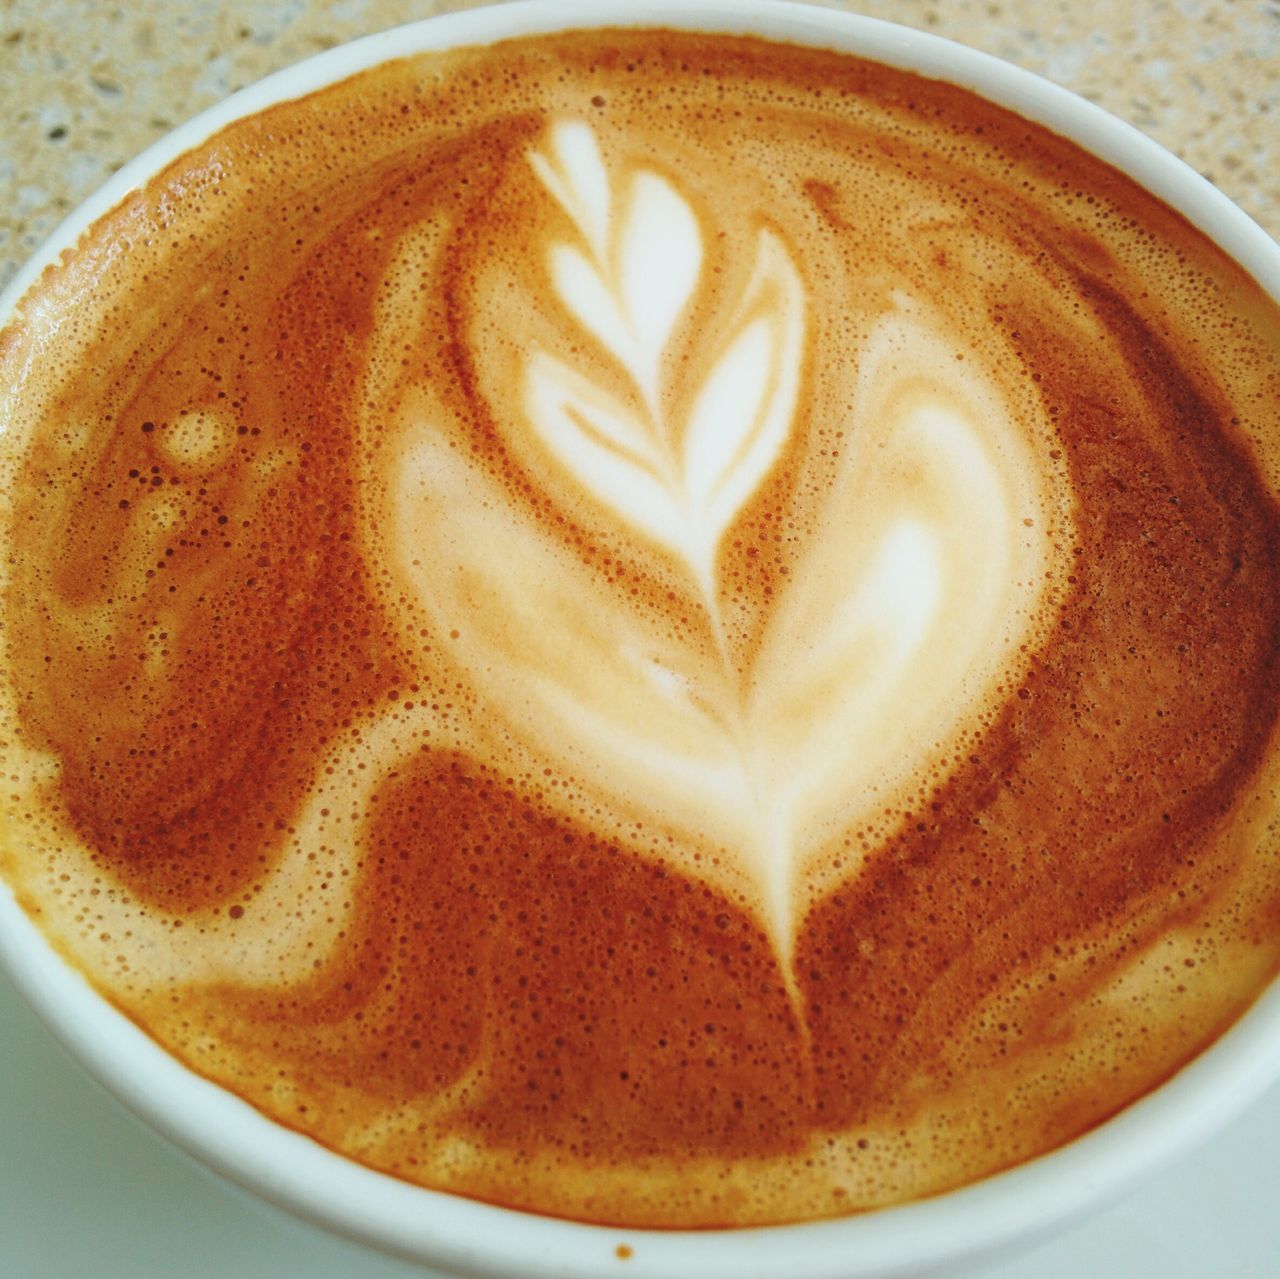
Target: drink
(642, 688)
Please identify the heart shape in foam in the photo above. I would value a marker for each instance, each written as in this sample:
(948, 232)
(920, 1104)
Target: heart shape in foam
(910, 606)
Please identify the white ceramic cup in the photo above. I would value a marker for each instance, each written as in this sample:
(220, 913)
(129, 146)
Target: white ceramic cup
(471, 1238)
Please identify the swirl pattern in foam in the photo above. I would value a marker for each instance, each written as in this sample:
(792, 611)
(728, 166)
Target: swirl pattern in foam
(671, 676)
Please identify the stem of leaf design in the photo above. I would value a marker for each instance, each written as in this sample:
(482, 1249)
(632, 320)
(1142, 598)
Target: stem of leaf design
(628, 281)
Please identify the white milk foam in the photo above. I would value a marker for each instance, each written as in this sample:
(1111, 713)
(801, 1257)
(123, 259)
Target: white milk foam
(926, 573)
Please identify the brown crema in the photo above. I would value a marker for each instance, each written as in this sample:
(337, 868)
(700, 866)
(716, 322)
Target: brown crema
(657, 628)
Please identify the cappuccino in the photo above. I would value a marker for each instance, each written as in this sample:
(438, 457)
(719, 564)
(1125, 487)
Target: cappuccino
(658, 628)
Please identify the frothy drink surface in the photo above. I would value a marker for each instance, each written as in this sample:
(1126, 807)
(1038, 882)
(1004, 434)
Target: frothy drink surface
(657, 628)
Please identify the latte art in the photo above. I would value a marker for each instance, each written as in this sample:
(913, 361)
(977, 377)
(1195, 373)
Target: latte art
(924, 563)
(667, 675)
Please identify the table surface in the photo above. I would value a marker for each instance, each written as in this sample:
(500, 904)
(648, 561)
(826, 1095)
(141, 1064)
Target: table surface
(84, 1188)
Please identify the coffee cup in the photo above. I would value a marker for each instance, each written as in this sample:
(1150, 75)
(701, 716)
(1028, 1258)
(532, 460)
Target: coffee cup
(714, 761)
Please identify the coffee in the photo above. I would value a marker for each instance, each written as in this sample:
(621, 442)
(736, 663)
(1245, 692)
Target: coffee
(657, 628)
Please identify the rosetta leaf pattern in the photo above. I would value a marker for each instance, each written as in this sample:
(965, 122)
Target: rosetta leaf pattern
(916, 584)
(574, 173)
(658, 226)
(759, 376)
(636, 268)
(609, 283)
(604, 446)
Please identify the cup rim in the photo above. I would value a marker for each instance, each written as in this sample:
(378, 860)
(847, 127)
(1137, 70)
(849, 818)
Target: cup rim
(475, 1238)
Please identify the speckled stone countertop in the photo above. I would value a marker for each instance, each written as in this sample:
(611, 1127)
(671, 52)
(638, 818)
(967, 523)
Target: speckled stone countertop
(85, 87)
